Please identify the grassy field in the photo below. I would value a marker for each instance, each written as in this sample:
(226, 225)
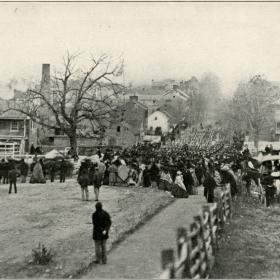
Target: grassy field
(250, 245)
(54, 215)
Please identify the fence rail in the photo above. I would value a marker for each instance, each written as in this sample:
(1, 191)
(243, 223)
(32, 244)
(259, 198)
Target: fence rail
(197, 246)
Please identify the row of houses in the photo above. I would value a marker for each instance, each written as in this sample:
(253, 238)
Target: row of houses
(141, 114)
(131, 127)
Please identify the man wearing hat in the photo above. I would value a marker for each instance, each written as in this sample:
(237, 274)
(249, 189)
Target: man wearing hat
(101, 221)
(209, 185)
(270, 189)
(97, 182)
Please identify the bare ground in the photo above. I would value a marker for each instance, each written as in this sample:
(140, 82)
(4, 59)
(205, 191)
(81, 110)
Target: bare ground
(54, 215)
(139, 255)
(250, 244)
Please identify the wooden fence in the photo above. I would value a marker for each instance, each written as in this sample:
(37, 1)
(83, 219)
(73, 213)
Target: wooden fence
(196, 246)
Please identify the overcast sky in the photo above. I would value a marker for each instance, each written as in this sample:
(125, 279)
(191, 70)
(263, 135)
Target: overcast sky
(157, 40)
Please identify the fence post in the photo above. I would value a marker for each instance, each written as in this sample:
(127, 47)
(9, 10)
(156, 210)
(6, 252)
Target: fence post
(167, 262)
(230, 203)
(181, 239)
(194, 257)
(213, 211)
(212, 236)
(182, 243)
(203, 254)
(221, 205)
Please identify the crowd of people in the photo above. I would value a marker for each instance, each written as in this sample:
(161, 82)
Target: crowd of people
(178, 169)
(13, 171)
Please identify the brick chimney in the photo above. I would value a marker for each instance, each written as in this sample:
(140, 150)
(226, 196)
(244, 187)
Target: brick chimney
(46, 77)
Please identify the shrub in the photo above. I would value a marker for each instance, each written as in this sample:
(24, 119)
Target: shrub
(41, 255)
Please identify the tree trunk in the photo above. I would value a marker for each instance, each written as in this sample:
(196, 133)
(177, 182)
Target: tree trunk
(74, 146)
(256, 140)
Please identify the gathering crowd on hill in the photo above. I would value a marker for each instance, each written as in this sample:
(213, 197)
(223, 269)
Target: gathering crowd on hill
(178, 169)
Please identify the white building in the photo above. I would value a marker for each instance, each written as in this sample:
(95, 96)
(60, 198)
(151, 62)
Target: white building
(160, 120)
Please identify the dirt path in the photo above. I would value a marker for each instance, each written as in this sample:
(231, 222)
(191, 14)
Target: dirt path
(139, 255)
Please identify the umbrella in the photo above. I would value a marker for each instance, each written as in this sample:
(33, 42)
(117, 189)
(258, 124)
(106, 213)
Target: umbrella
(53, 154)
(95, 159)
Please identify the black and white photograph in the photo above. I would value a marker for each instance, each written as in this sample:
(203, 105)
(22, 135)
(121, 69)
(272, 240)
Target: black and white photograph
(140, 140)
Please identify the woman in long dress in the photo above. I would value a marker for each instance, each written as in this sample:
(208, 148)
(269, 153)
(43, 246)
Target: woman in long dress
(37, 175)
(165, 180)
(179, 189)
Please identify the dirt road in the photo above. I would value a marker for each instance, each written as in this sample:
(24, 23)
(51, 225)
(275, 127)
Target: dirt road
(139, 255)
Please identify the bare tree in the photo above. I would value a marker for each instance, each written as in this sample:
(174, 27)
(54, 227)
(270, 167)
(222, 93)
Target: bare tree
(252, 105)
(76, 98)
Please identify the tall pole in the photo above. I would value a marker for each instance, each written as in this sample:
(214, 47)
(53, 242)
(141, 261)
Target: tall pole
(122, 126)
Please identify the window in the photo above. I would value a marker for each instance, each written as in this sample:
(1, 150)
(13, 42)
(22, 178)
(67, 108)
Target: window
(2, 125)
(278, 128)
(118, 128)
(14, 126)
(57, 131)
(155, 118)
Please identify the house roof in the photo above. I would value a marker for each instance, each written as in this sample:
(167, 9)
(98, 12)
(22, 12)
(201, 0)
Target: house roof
(145, 91)
(149, 97)
(143, 106)
(12, 115)
(169, 116)
(179, 93)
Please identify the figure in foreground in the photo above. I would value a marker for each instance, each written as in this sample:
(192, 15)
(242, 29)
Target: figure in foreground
(101, 221)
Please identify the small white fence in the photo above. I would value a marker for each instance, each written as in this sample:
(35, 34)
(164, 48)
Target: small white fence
(11, 150)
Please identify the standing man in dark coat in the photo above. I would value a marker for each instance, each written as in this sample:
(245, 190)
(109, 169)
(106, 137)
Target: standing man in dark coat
(188, 180)
(52, 170)
(97, 182)
(146, 177)
(209, 185)
(23, 170)
(101, 221)
(154, 175)
(63, 168)
(83, 180)
(199, 172)
(270, 190)
(13, 174)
